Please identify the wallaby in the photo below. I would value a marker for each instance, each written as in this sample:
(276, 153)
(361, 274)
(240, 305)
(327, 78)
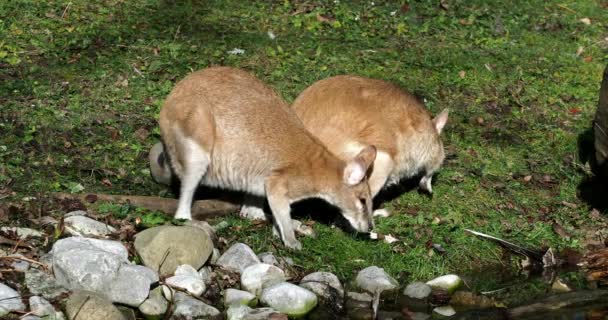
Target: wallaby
(222, 127)
(348, 113)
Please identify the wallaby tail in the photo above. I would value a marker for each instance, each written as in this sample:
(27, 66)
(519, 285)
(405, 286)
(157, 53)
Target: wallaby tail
(159, 165)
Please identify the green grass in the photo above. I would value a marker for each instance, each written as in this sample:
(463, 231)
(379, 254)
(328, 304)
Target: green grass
(82, 82)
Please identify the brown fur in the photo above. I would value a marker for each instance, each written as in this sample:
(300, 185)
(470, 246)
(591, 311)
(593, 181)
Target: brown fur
(347, 111)
(224, 128)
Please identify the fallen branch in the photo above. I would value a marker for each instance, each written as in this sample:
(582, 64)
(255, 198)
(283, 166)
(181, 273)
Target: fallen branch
(201, 209)
(535, 255)
(559, 301)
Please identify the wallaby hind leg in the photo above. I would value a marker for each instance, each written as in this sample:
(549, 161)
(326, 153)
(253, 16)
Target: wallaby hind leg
(383, 165)
(195, 161)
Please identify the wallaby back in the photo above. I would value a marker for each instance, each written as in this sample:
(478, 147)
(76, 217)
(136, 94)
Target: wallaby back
(225, 128)
(348, 112)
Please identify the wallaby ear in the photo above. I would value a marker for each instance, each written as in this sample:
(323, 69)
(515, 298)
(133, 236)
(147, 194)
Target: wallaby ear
(440, 120)
(355, 170)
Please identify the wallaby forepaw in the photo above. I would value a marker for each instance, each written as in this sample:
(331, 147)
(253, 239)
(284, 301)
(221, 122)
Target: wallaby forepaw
(183, 216)
(381, 213)
(252, 213)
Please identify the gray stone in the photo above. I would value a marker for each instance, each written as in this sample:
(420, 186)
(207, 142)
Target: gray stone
(375, 280)
(42, 308)
(86, 305)
(269, 258)
(18, 264)
(238, 257)
(75, 213)
(323, 284)
(215, 255)
(110, 246)
(233, 296)
(31, 317)
(242, 312)
(258, 276)
(187, 278)
(173, 246)
(359, 296)
(10, 300)
(127, 313)
(155, 306)
(190, 308)
(417, 290)
(23, 233)
(203, 225)
(290, 299)
(101, 268)
(40, 283)
(444, 311)
(78, 225)
(207, 274)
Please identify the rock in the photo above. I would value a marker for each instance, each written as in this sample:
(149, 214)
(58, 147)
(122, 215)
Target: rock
(75, 213)
(110, 246)
(186, 277)
(86, 305)
(269, 258)
(449, 282)
(560, 286)
(233, 296)
(417, 290)
(173, 246)
(259, 276)
(215, 255)
(242, 312)
(326, 286)
(187, 307)
(358, 300)
(469, 299)
(290, 299)
(102, 268)
(18, 264)
(10, 300)
(31, 317)
(131, 285)
(390, 315)
(443, 312)
(207, 274)
(203, 225)
(375, 280)
(42, 308)
(238, 257)
(23, 233)
(79, 225)
(155, 306)
(40, 283)
(127, 313)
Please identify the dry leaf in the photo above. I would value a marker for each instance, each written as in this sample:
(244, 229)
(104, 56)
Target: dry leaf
(462, 74)
(444, 5)
(322, 18)
(527, 178)
(586, 21)
(141, 134)
(569, 205)
(588, 59)
(106, 182)
(580, 51)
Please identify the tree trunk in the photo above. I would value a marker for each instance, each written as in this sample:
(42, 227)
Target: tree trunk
(600, 128)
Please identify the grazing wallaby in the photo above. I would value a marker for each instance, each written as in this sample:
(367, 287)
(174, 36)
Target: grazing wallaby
(224, 128)
(348, 113)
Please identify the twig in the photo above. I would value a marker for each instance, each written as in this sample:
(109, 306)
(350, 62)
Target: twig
(66, 10)
(163, 260)
(25, 259)
(565, 8)
(81, 306)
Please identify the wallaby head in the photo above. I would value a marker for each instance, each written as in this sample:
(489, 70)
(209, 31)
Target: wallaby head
(433, 161)
(351, 191)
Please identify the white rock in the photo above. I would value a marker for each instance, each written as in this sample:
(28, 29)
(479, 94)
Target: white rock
(206, 273)
(445, 311)
(215, 255)
(417, 290)
(110, 246)
(237, 311)
(23, 233)
(186, 270)
(324, 284)
(359, 296)
(242, 312)
(187, 307)
(101, 266)
(290, 299)
(40, 283)
(194, 285)
(258, 276)
(233, 296)
(10, 300)
(375, 280)
(449, 282)
(238, 257)
(75, 213)
(18, 264)
(78, 225)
